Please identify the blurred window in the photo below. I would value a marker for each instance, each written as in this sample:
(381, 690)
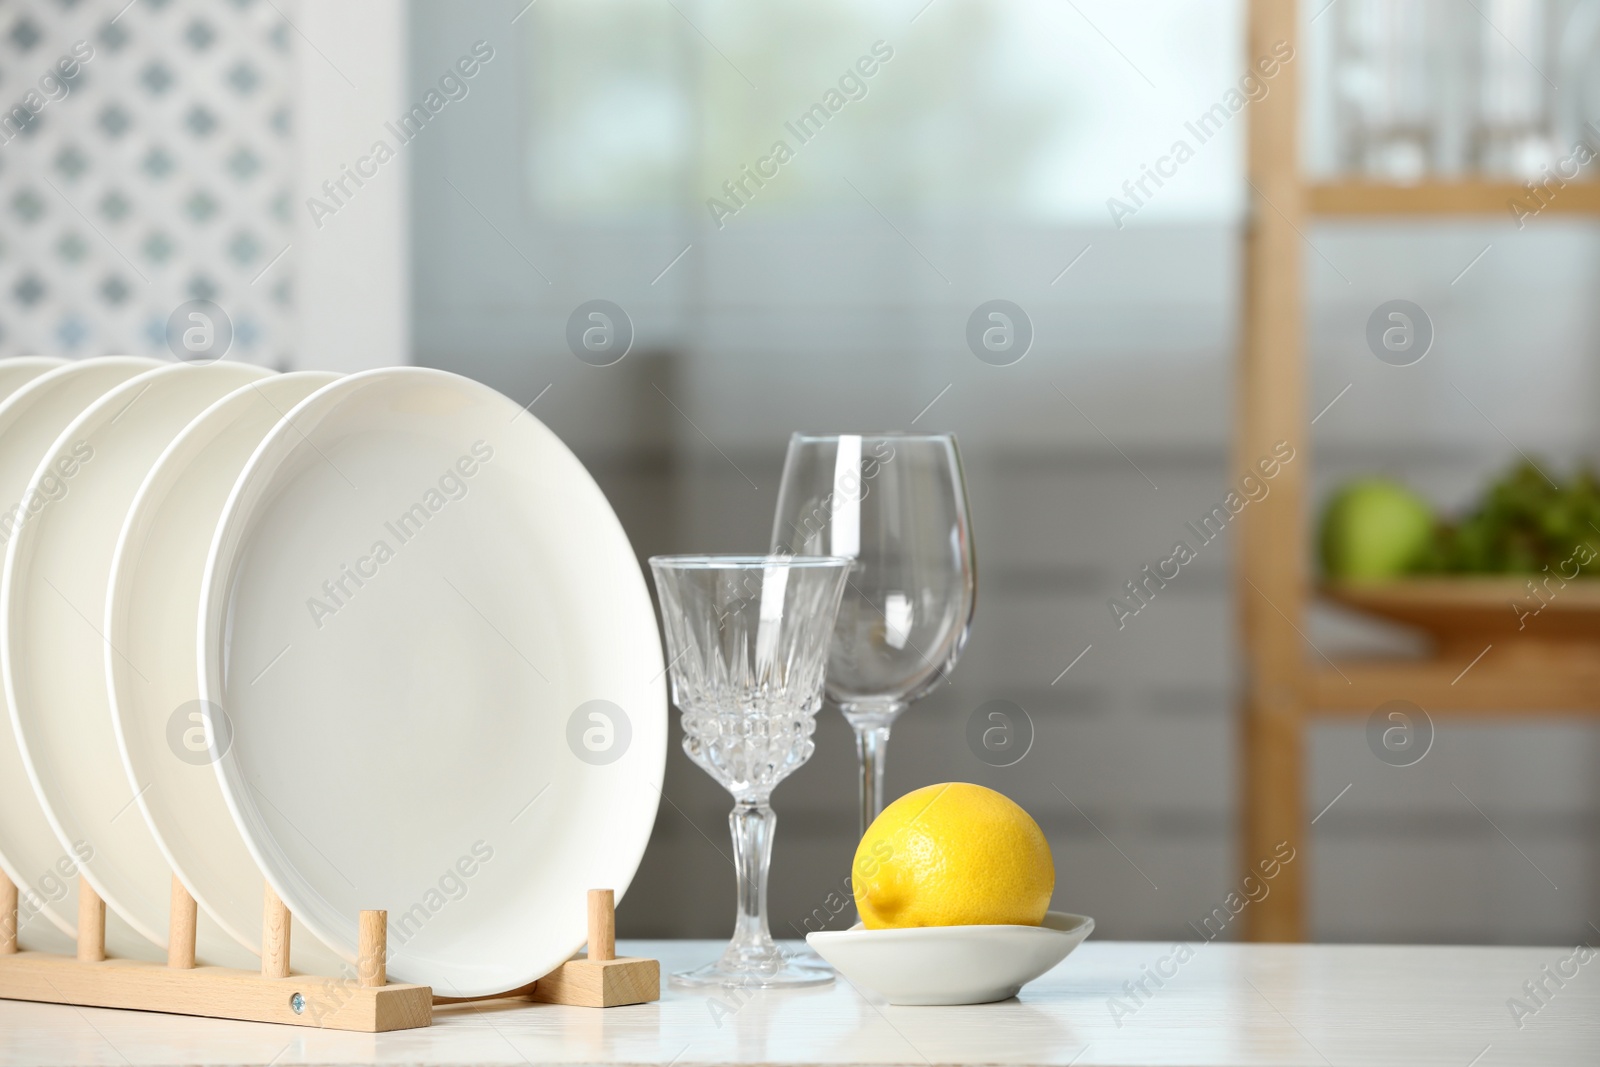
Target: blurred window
(1016, 111)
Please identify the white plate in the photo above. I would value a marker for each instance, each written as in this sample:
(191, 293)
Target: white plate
(152, 609)
(19, 371)
(56, 573)
(415, 591)
(30, 421)
(951, 964)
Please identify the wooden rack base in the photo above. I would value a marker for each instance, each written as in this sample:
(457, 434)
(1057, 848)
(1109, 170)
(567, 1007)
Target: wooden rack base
(367, 1004)
(216, 992)
(601, 979)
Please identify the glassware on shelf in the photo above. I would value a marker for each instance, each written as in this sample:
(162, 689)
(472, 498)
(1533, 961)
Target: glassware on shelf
(747, 645)
(1517, 45)
(1400, 97)
(1578, 103)
(895, 504)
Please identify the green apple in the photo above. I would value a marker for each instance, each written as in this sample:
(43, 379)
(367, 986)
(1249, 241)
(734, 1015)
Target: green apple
(1375, 528)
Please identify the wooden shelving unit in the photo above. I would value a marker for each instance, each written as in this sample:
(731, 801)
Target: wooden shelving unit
(1551, 668)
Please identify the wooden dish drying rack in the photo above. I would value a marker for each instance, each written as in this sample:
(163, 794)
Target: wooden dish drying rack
(369, 1003)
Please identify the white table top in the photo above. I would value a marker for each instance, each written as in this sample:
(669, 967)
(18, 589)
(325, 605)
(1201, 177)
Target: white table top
(1316, 1005)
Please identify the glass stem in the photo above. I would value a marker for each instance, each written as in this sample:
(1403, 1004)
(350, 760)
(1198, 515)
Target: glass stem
(752, 823)
(872, 749)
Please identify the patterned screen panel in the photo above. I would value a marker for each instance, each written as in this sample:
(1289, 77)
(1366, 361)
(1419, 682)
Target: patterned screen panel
(146, 160)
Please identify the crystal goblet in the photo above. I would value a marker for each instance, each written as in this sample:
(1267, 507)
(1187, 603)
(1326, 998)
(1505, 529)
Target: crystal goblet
(747, 646)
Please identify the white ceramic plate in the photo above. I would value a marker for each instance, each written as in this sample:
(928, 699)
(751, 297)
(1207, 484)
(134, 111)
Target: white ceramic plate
(56, 574)
(17, 372)
(152, 609)
(30, 421)
(951, 964)
(414, 597)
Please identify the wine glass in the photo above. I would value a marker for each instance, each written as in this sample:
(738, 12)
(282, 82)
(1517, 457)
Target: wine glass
(747, 640)
(896, 504)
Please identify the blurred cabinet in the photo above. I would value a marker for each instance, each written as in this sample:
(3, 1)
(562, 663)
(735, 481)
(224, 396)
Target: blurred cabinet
(1286, 683)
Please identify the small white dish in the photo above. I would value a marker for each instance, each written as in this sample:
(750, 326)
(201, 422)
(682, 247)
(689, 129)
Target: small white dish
(950, 964)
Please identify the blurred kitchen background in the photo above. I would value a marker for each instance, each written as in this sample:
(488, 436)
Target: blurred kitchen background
(576, 164)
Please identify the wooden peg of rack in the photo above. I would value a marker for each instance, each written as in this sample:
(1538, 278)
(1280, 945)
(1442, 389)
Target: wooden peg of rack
(275, 934)
(91, 923)
(181, 927)
(601, 979)
(372, 952)
(8, 916)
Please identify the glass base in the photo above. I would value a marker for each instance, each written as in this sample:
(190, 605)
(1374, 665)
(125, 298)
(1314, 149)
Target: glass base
(771, 969)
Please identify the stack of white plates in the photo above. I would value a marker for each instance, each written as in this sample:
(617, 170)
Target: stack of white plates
(377, 641)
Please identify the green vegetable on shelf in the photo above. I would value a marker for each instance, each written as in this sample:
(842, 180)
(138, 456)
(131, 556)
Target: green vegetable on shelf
(1374, 528)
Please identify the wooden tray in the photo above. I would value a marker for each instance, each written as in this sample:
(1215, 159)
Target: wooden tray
(1463, 612)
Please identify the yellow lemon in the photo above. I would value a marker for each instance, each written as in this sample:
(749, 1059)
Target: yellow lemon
(953, 855)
